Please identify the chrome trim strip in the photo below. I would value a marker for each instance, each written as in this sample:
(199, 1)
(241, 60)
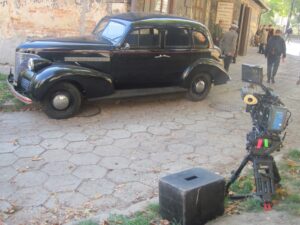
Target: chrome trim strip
(87, 59)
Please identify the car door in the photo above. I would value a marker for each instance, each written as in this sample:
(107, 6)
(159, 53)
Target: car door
(138, 64)
(176, 54)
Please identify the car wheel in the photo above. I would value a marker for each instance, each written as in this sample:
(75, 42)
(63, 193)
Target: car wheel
(199, 87)
(62, 101)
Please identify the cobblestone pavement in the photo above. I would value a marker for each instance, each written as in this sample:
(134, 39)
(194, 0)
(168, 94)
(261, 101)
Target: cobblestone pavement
(60, 170)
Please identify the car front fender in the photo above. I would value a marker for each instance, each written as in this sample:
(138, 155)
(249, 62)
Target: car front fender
(210, 66)
(90, 82)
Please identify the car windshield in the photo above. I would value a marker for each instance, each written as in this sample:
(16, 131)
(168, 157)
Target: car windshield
(113, 31)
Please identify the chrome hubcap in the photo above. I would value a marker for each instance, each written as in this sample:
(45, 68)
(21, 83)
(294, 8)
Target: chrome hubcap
(200, 86)
(60, 102)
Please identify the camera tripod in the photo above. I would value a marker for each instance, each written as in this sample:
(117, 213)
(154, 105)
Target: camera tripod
(269, 120)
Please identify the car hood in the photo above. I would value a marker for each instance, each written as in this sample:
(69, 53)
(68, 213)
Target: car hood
(69, 43)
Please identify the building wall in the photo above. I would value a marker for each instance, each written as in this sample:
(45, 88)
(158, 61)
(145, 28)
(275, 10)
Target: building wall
(23, 19)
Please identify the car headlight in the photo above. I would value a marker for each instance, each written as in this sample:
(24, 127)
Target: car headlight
(35, 64)
(30, 64)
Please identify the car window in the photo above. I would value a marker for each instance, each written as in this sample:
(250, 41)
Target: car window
(113, 31)
(177, 37)
(200, 40)
(144, 38)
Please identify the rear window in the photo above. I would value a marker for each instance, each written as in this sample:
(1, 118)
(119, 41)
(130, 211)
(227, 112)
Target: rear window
(144, 38)
(200, 40)
(177, 37)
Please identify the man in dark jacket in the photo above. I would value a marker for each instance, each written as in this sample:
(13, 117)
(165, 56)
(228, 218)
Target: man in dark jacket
(274, 51)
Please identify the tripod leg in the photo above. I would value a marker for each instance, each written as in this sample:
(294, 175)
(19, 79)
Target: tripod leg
(237, 173)
(277, 177)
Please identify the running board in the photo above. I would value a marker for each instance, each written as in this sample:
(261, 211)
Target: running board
(141, 92)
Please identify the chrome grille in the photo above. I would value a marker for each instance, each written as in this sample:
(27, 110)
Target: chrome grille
(25, 84)
(21, 61)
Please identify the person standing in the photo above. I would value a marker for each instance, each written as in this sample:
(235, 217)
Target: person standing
(228, 45)
(218, 33)
(275, 50)
(270, 31)
(263, 40)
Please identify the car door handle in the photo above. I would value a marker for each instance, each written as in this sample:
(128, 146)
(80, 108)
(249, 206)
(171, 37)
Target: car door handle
(158, 56)
(165, 56)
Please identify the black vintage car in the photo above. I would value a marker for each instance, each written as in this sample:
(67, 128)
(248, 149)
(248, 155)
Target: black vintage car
(127, 54)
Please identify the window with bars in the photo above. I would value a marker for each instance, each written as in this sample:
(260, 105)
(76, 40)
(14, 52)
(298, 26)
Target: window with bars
(161, 6)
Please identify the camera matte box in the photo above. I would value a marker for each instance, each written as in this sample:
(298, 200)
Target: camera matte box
(191, 197)
(252, 73)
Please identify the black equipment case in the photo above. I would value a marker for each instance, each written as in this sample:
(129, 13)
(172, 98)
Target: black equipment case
(191, 197)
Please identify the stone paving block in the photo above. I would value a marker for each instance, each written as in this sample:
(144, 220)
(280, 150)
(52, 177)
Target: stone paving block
(145, 165)
(56, 155)
(159, 130)
(7, 147)
(58, 168)
(66, 199)
(180, 148)
(89, 171)
(184, 121)
(135, 128)
(118, 134)
(94, 130)
(7, 189)
(62, 183)
(6, 173)
(29, 151)
(126, 143)
(172, 125)
(30, 140)
(108, 150)
(114, 162)
(123, 175)
(107, 203)
(94, 189)
(7, 159)
(33, 196)
(25, 164)
(164, 157)
(84, 159)
(52, 134)
(79, 147)
(4, 206)
(30, 179)
(78, 136)
(225, 115)
(133, 192)
(112, 125)
(102, 141)
(54, 143)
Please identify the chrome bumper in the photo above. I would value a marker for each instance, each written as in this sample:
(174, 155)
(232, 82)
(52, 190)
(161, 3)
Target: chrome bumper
(18, 95)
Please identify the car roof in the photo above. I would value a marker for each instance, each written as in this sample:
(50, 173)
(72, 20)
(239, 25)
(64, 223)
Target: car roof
(152, 19)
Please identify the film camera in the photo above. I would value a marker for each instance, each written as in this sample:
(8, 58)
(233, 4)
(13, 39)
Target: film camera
(269, 121)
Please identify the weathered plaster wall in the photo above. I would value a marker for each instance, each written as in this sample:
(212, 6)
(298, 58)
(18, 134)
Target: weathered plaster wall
(23, 19)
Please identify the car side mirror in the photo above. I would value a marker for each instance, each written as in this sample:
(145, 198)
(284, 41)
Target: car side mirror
(126, 46)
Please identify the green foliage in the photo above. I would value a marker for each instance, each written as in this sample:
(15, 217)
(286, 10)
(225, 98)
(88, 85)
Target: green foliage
(5, 94)
(88, 222)
(281, 8)
(140, 218)
(244, 185)
(252, 205)
(294, 155)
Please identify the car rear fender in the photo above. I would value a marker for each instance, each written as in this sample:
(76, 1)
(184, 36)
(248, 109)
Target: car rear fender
(90, 82)
(212, 67)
